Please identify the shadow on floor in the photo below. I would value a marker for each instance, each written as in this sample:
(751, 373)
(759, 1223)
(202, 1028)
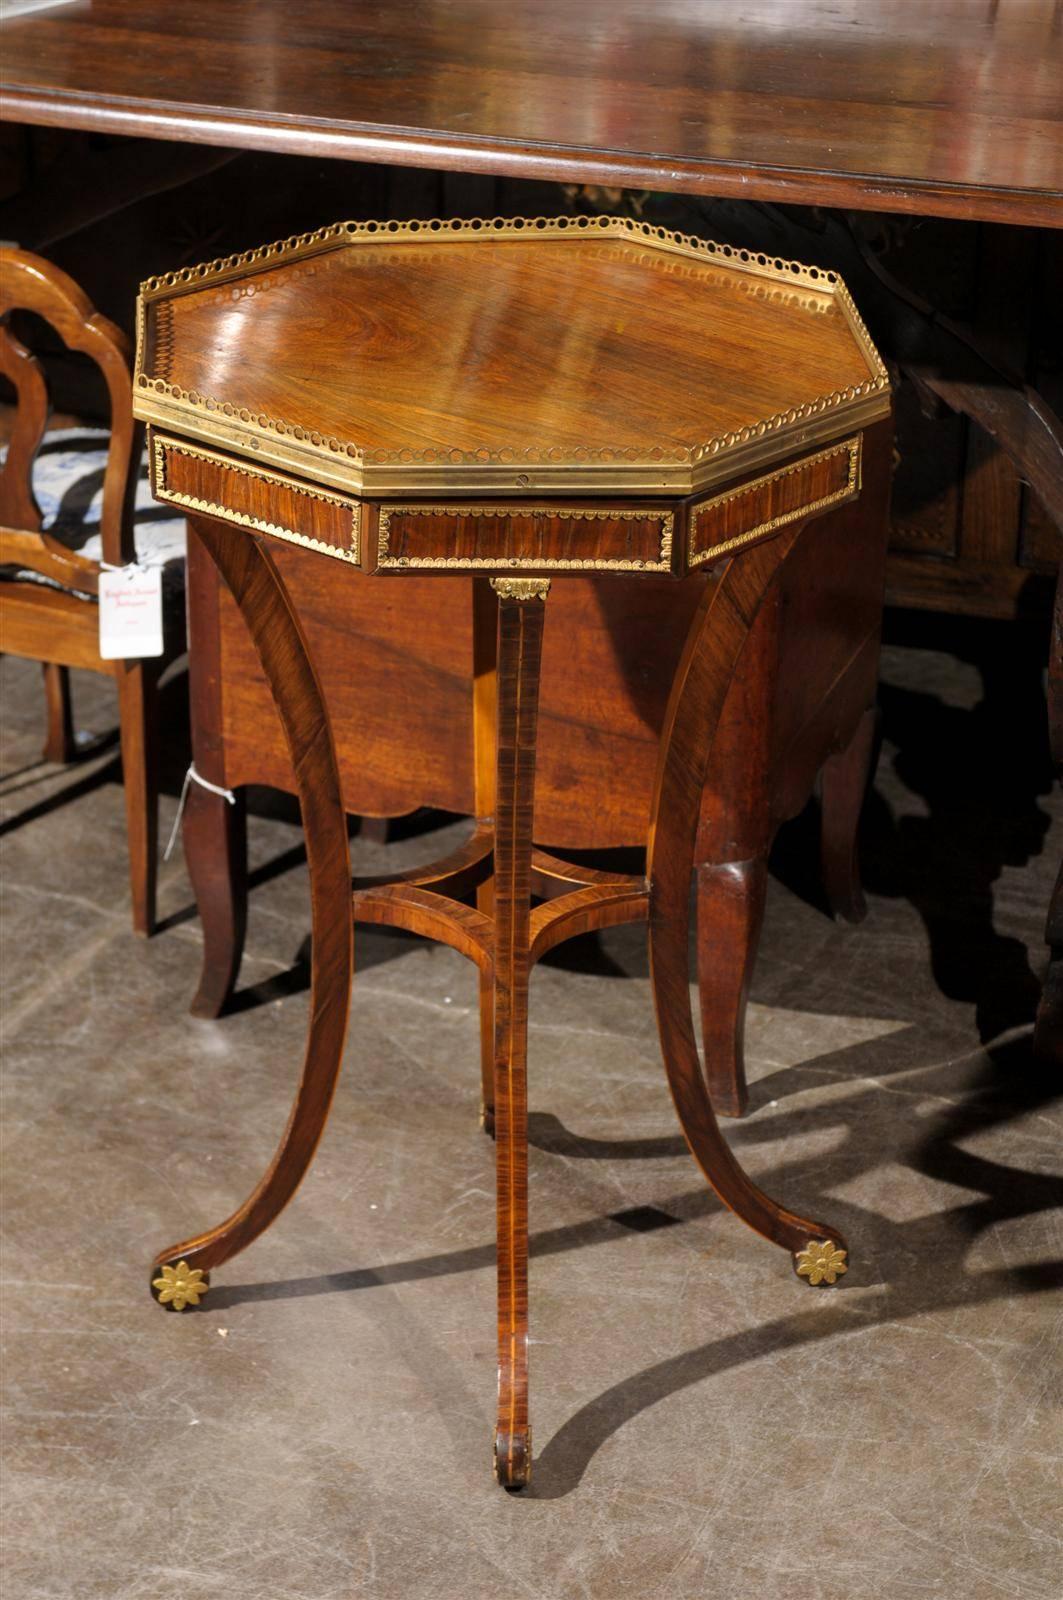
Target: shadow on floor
(976, 772)
(979, 771)
(927, 1268)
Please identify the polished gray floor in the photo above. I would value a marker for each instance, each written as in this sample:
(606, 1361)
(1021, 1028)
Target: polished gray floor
(705, 1425)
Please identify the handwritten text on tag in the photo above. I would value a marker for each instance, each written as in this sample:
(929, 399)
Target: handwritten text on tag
(131, 613)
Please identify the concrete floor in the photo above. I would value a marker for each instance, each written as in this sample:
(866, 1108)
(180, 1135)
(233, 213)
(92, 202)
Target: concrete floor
(705, 1425)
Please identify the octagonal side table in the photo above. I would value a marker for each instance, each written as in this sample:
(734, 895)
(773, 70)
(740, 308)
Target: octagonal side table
(516, 401)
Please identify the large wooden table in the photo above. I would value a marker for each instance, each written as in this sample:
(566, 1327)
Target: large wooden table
(951, 110)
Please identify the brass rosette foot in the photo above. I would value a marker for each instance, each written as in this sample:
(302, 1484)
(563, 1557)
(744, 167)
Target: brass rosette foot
(513, 1460)
(178, 1286)
(821, 1261)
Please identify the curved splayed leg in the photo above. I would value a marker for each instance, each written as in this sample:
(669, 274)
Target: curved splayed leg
(717, 636)
(180, 1276)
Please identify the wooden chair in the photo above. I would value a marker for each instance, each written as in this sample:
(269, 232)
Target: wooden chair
(46, 609)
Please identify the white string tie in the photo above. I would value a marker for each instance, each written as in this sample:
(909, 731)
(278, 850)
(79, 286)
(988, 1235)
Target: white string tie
(192, 776)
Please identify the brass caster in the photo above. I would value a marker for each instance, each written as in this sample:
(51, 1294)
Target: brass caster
(821, 1261)
(179, 1286)
(513, 1460)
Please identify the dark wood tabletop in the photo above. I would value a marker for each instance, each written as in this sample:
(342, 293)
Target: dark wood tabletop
(944, 109)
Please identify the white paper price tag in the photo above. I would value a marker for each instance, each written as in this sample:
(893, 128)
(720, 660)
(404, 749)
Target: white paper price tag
(131, 613)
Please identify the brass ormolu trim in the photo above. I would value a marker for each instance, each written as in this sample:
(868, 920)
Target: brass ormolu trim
(389, 563)
(521, 588)
(180, 1285)
(631, 470)
(821, 1261)
(208, 508)
(435, 230)
(851, 488)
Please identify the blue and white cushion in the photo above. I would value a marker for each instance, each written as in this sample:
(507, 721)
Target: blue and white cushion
(68, 483)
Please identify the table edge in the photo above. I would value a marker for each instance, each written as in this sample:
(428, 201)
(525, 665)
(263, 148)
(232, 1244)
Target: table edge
(379, 144)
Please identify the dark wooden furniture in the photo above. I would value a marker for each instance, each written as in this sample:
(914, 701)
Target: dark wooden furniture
(943, 111)
(510, 403)
(974, 531)
(54, 621)
(951, 113)
(399, 674)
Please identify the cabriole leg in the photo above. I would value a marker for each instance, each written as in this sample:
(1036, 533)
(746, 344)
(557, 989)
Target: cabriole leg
(138, 725)
(730, 901)
(214, 836)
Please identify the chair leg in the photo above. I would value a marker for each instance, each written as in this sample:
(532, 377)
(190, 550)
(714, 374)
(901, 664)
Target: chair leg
(214, 835)
(730, 911)
(520, 632)
(717, 636)
(138, 722)
(259, 592)
(843, 785)
(59, 743)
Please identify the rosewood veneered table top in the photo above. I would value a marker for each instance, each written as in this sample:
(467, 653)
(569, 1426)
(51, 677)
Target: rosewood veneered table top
(588, 356)
(949, 109)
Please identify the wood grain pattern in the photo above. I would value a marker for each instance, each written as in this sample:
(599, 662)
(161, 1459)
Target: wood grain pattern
(586, 910)
(730, 912)
(208, 485)
(736, 831)
(667, 356)
(520, 635)
(253, 581)
(396, 672)
(948, 111)
(784, 495)
(714, 645)
(553, 877)
(436, 916)
(459, 872)
(546, 538)
(213, 831)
